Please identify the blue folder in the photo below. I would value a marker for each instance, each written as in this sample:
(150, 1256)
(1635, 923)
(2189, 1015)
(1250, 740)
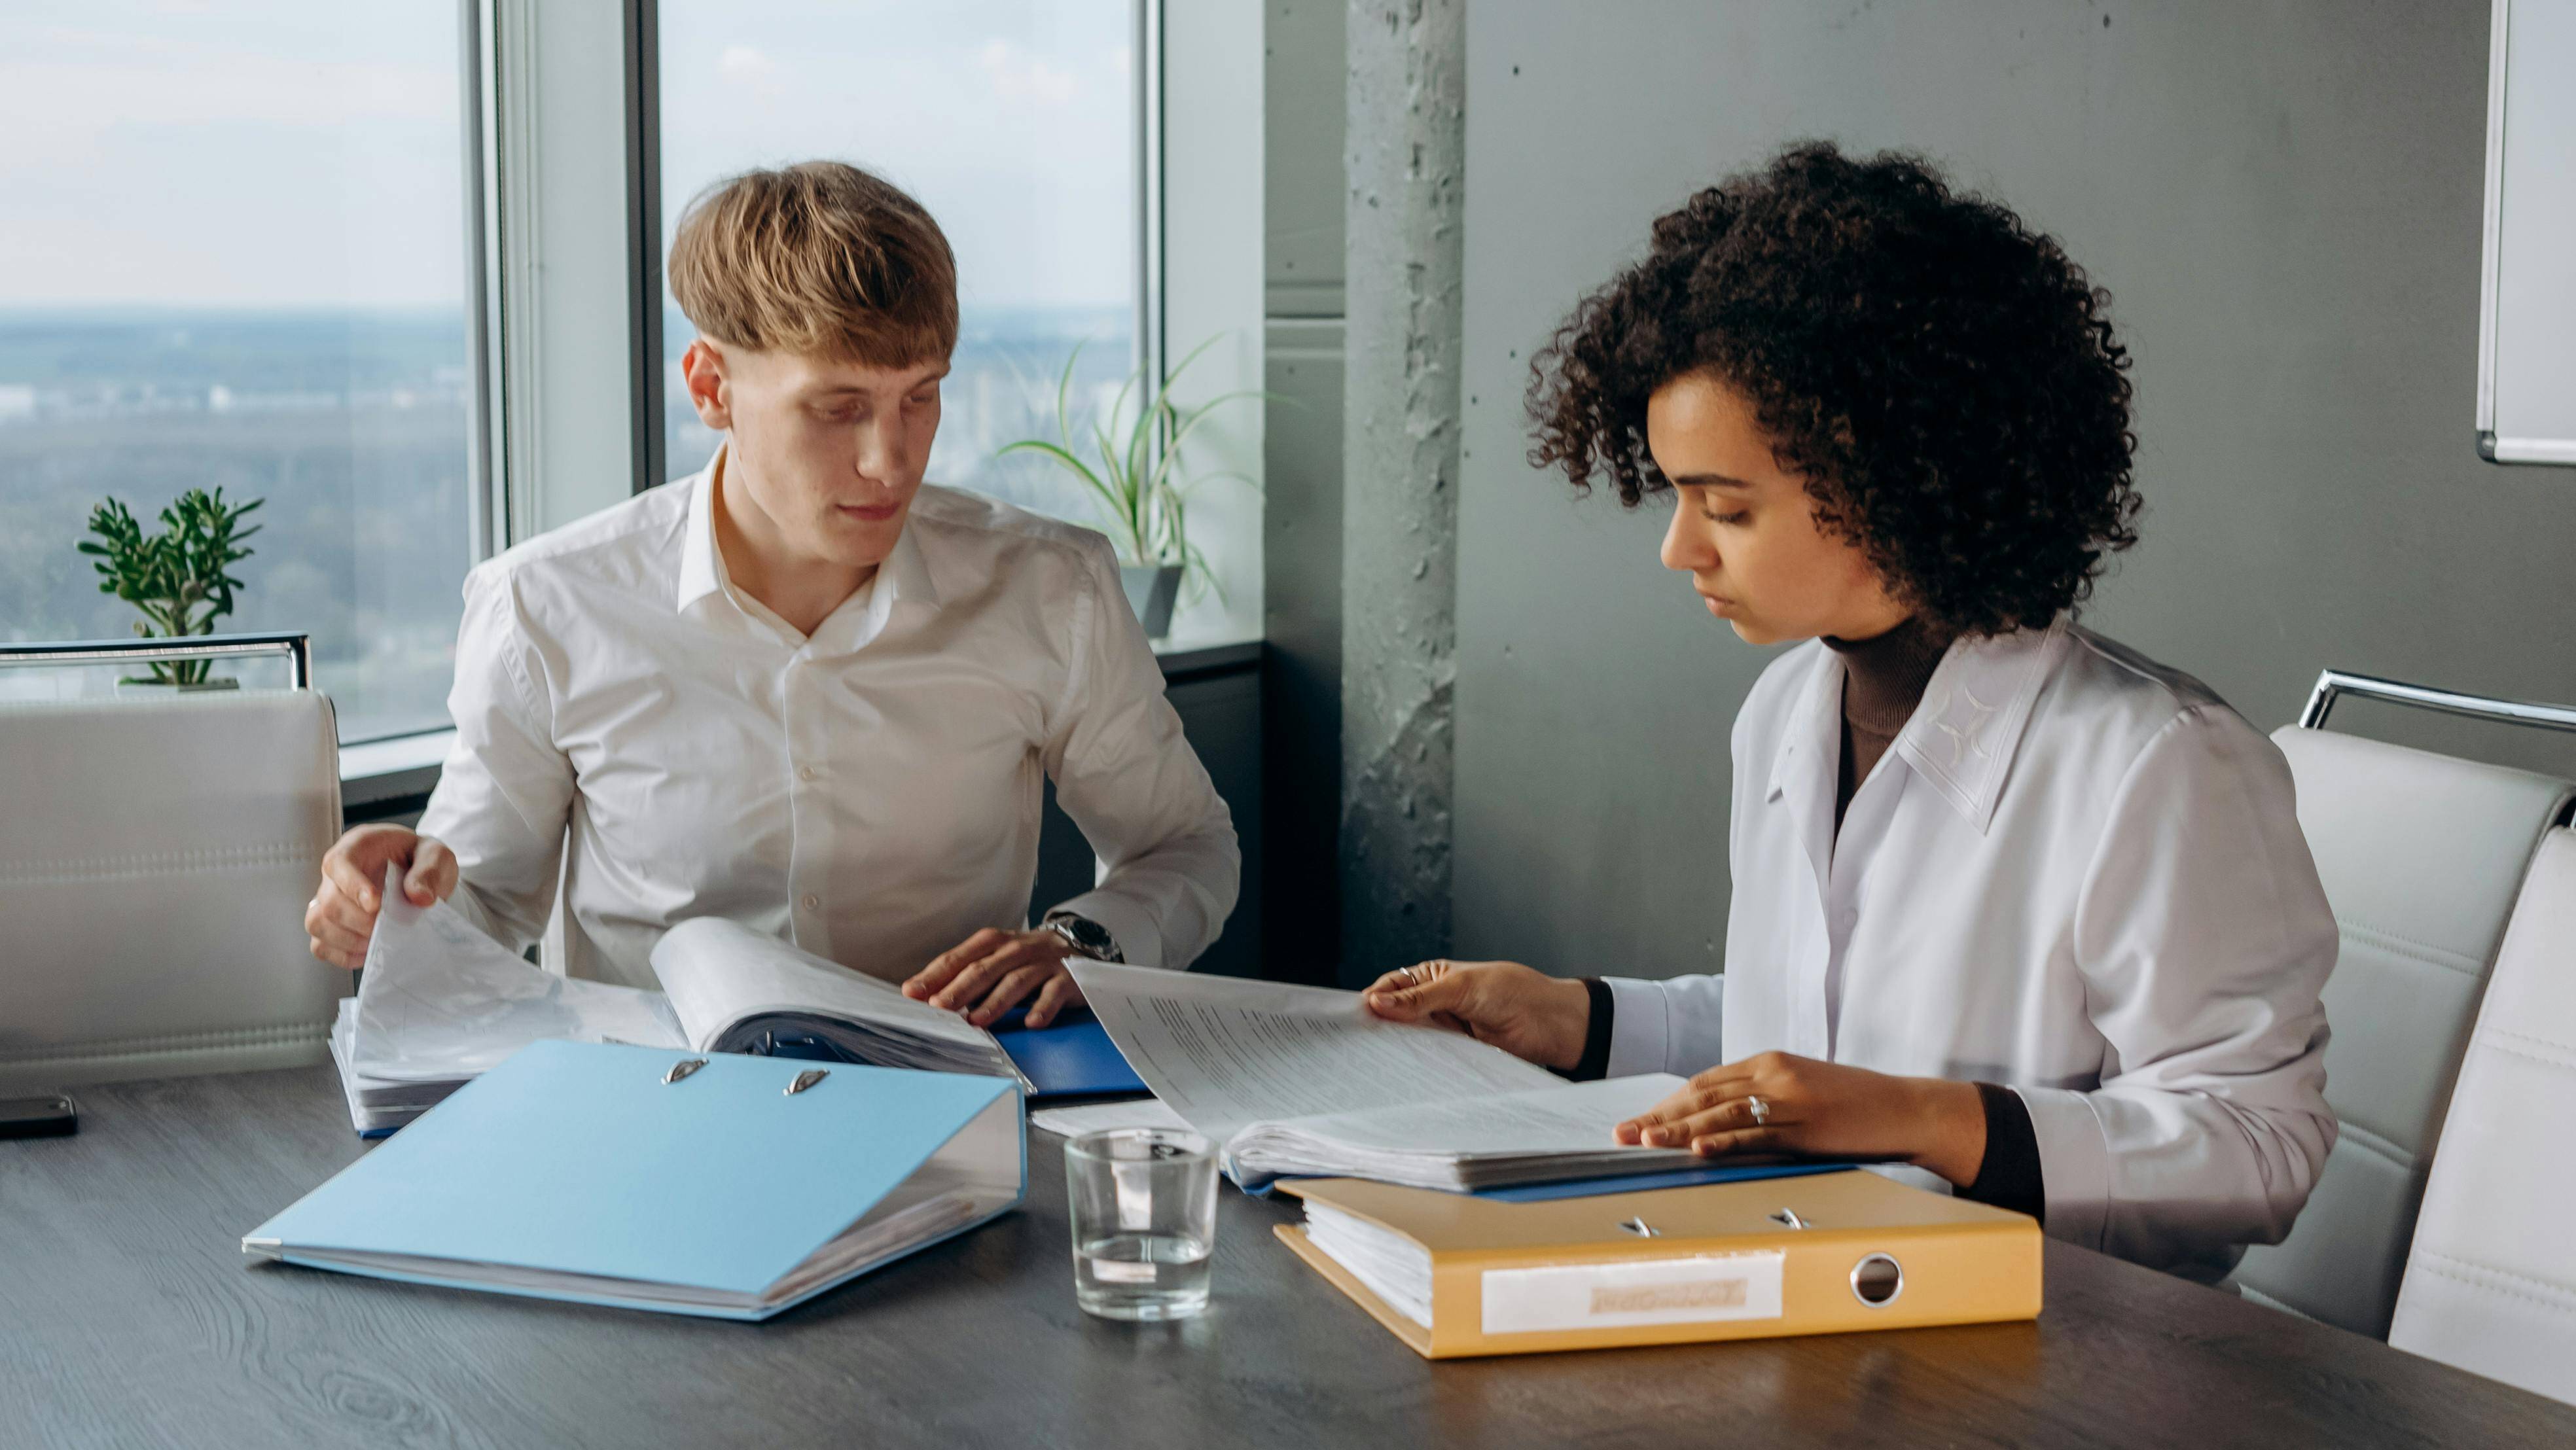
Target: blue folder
(1670, 1178)
(575, 1171)
(1074, 1058)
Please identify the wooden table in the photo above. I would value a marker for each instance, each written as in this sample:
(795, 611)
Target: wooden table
(128, 1317)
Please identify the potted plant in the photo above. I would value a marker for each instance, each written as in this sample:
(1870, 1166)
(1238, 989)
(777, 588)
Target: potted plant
(178, 576)
(1141, 483)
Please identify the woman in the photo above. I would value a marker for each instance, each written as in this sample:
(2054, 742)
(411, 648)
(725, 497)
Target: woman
(2012, 904)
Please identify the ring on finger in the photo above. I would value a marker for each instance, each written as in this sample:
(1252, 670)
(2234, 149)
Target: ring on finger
(1410, 976)
(1758, 1109)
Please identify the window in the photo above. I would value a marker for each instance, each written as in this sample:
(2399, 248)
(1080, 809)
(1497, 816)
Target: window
(1013, 121)
(232, 254)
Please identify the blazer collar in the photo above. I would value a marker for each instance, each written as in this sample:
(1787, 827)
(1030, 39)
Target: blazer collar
(1961, 739)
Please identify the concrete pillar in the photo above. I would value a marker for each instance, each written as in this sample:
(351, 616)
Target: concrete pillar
(1405, 152)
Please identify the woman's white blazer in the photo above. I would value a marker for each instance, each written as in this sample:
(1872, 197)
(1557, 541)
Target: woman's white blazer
(2075, 873)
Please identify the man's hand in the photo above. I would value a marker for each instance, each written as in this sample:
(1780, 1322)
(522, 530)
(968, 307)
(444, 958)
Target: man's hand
(342, 915)
(1519, 1009)
(993, 970)
(1821, 1108)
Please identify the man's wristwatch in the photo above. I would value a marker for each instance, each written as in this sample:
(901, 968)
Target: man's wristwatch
(1088, 938)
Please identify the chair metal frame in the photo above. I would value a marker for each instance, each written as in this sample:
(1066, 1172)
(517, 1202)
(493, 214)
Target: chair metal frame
(298, 649)
(2333, 685)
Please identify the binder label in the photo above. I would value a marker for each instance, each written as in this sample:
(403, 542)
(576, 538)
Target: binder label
(1701, 1289)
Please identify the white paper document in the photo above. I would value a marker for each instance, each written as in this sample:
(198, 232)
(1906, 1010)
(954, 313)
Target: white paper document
(1305, 1080)
(440, 1003)
(1102, 1117)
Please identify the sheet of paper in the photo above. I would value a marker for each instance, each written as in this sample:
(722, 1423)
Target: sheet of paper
(1223, 1052)
(442, 1001)
(1560, 1118)
(1101, 1117)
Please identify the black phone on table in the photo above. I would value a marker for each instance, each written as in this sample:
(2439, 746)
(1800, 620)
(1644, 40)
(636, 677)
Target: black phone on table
(47, 1115)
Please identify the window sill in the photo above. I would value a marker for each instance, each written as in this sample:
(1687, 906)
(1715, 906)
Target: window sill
(384, 770)
(406, 767)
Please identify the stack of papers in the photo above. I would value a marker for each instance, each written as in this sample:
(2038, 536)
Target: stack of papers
(1390, 1265)
(1305, 1081)
(440, 1003)
(733, 989)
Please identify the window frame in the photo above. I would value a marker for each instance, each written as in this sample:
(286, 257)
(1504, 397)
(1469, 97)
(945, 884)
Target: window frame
(642, 53)
(539, 353)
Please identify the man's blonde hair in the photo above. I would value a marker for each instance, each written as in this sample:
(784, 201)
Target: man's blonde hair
(821, 259)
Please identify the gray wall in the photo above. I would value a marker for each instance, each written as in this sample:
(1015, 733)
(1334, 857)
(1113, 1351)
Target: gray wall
(2283, 199)
(1302, 483)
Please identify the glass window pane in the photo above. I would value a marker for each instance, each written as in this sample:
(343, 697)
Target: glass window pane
(1013, 121)
(232, 255)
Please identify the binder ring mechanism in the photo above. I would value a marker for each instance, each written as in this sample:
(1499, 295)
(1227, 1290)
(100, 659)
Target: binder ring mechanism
(687, 1065)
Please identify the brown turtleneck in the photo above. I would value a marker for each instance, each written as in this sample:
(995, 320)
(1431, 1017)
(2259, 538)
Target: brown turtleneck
(1883, 680)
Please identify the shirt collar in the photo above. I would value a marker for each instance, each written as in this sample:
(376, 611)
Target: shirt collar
(904, 581)
(701, 566)
(1964, 735)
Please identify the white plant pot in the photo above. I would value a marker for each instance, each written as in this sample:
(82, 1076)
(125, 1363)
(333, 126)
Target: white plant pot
(156, 687)
(1152, 589)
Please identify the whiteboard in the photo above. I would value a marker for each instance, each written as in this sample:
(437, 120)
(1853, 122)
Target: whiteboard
(2527, 290)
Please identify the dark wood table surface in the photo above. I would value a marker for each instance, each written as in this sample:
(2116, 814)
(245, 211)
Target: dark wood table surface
(128, 1317)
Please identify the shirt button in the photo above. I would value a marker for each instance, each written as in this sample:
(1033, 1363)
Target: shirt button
(804, 772)
(812, 902)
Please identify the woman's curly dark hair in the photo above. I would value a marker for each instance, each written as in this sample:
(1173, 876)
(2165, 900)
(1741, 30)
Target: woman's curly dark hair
(1944, 378)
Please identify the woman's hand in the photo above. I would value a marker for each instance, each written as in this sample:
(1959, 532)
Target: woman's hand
(1519, 1009)
(1823, 1109)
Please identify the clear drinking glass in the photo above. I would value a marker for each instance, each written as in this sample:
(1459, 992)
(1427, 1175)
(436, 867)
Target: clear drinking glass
(1143, 1205)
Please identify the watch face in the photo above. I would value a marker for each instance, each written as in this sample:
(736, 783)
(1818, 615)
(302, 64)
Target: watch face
(1088, 937)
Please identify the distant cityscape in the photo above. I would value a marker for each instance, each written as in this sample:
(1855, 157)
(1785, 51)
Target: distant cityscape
(352, 425)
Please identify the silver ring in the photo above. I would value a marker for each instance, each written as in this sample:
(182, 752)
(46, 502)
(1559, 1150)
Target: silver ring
(1760, 1110)
(1410, 979)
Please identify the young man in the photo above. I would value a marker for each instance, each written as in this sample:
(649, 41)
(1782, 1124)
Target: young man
(804, 689)
(2013, 904)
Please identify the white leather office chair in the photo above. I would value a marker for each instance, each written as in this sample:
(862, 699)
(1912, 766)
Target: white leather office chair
(2491, 1285)
(2421, 856)
(155, 859)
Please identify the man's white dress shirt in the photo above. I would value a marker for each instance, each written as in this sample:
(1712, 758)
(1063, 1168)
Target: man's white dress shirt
(871, 792)
(2075, 873)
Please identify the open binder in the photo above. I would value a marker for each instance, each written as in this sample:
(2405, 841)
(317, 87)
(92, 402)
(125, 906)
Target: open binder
(657, 1178)
(1826, 1253)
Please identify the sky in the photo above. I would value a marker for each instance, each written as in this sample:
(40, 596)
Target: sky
(305, 153)
(1012, 120)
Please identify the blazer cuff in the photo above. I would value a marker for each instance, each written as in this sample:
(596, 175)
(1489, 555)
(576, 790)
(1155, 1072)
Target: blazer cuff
(1637, 1030)
(2075, 1162)
(1128, 924)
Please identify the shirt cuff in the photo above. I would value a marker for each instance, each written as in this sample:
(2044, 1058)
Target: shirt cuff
(2009, 1176)
(1637, 1030)
(2076, 1161)
(1127, 924)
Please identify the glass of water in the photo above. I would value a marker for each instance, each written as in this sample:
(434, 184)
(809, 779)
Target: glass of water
(1143, 1204)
